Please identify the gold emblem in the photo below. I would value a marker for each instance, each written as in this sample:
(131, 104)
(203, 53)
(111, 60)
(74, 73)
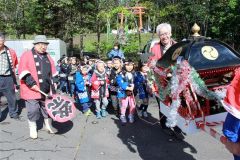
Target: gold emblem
(176, 53)
(210, 52)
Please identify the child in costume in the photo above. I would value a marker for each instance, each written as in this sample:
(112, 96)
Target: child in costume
(64, 72)
(82, 89)
(117, 67)
(231, 127)
(140, 82)
(109, 67)
(99, 89)
(125, 92)
(72, 75)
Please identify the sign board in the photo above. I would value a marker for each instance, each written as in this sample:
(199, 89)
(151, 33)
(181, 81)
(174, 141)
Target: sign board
(56, 48)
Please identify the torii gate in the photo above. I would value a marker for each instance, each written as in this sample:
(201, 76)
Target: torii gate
(137, 10)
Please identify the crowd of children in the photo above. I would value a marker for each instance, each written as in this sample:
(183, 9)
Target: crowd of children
(100, 84)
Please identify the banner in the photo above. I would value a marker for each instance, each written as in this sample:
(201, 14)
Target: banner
(60, 108)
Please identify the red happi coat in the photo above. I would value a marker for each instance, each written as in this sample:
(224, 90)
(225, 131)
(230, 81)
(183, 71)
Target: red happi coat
(232, 100)
(96, 84)
(157, 51)
(27, 65)
(14, 58)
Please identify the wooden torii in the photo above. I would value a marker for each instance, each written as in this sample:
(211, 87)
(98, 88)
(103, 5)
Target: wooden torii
(139, 11)
(136, 10)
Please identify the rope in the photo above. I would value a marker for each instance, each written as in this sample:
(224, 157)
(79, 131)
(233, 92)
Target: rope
(148, 122)
(81, 137)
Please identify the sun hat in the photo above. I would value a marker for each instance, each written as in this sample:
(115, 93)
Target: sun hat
(40, 39)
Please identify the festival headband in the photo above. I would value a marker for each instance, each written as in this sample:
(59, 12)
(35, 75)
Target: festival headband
(100, 61)
(126, 63)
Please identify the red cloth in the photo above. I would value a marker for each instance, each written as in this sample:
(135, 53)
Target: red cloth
(157, 51)
(157, 54)
(14, 57)
(232, 100)
(95, 94)
(27, 65)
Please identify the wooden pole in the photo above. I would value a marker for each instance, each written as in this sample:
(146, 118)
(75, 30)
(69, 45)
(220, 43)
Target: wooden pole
(140, 19)
(122, 17)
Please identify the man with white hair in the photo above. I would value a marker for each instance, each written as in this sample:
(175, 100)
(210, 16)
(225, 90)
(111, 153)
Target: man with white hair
(164, 31)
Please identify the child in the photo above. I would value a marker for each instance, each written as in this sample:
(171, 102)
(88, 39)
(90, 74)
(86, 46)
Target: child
(140, 81)
(82, 89)
(125, 92)
(72, 75)
(64, 71)
(231, 127)
(109, 67)
(117, 67)
(99, 89)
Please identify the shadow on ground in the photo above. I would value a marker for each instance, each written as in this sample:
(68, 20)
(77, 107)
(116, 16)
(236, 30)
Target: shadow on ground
(151, 142)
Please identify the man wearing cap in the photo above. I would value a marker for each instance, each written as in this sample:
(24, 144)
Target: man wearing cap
(8, 62)
(36, 72)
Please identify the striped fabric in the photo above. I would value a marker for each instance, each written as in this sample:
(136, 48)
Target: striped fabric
(38, 67)
(4, 65)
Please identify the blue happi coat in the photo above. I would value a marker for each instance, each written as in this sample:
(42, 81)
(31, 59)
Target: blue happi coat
(122, 86)
(81, 88)
(140, 82)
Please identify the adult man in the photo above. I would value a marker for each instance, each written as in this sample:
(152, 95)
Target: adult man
(36, 69)
(164, 31)
(116, 51)
(231, 126)
(8, 62)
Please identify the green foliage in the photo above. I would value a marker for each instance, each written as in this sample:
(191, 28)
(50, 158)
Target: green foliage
(219, 19)
(132, 45)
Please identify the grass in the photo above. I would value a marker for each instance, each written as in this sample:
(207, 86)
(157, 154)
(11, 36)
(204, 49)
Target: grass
(90, 39)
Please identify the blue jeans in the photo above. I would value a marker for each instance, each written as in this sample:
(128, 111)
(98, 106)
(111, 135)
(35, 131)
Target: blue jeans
(72, 89)
(62, 84)
(8, 90)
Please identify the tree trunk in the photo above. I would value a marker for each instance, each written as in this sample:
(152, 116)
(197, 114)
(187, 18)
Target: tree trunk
(98, 37)
(98, 30)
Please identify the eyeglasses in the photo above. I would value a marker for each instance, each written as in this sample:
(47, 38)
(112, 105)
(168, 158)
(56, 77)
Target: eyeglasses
(164, 34)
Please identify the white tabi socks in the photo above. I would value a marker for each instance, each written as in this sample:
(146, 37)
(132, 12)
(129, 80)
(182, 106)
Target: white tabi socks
(33, 129)
(49, 127)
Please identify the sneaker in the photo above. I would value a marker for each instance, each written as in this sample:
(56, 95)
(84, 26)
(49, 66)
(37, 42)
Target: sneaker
(140, 113)
(104, 112)
(98, 115)
(88, 113)
(17, 118)
(123, 119)
(145, 114)
(131, 118)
